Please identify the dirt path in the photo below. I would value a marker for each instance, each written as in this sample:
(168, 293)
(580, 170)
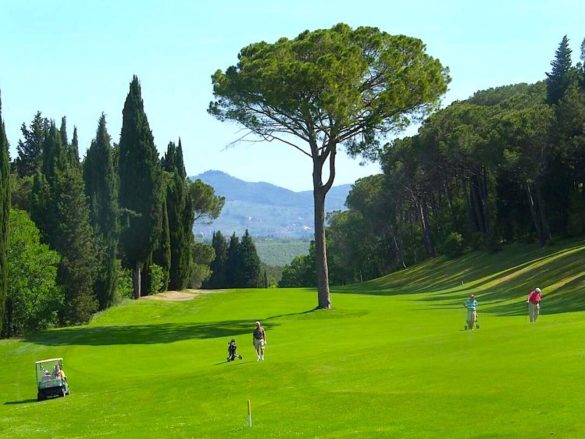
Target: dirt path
(175, 295)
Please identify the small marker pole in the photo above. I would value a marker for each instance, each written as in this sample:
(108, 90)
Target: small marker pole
(249, 414)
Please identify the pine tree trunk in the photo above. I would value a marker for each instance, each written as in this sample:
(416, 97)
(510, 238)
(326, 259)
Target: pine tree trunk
(397, 247)
(545, 228)
(427, 241)
(533, 213)
(484, 202)
(319, 192)
(324, 300)
(477, 205)
(137, 280)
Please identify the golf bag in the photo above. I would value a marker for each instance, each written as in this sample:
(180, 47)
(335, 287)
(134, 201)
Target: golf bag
(233, 351)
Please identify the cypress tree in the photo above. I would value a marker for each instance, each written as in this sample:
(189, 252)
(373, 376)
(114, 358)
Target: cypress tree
(76, 243)
(187, 218)
(140, 192)
(232, 263)
(54, 154)
(30, 150)
(249, 273)
(559, 78)
(63, 132)
(179, 162)
(101, 190)
(217, 266)
(180, 216)
(162, 253)
(4, 215)
(44, 190)
(73, 149)
(60, 210)
(40, 213)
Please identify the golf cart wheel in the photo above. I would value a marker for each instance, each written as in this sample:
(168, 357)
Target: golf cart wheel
(63, 391)
(40, 396)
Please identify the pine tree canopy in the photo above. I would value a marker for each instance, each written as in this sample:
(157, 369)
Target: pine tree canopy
(559, 78)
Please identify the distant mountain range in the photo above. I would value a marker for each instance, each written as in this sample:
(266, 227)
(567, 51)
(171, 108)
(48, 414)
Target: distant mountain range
(264, 209)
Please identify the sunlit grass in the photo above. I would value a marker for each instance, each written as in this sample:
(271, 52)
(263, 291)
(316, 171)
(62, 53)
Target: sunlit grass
(391, 360)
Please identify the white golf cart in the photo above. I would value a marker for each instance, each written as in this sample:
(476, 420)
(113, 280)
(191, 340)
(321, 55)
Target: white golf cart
(51, 380)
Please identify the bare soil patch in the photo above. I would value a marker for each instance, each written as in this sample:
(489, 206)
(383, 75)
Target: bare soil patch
(175, 295)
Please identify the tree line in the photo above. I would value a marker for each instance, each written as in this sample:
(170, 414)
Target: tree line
(506, 165)
(76, 235)
(236, 263)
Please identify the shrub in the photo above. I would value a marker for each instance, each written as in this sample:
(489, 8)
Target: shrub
(453, 246)
(156, 279)
(125, 288)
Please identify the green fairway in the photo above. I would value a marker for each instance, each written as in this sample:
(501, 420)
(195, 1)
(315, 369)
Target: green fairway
(391, 360)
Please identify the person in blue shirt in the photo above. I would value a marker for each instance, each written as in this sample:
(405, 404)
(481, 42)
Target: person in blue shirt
(471, 306)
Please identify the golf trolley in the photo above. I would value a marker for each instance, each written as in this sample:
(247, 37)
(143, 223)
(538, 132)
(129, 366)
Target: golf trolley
(476, 325)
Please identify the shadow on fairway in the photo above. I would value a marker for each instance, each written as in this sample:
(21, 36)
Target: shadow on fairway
(552, 305)
(142, 334)
(150, 334)
(500, 276)
(24, 401)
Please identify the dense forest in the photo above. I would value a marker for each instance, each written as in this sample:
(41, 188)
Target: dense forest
(506, 165)
(78, 235)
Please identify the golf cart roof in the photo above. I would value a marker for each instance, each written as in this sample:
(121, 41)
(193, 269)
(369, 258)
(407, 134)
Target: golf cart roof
(50, 359)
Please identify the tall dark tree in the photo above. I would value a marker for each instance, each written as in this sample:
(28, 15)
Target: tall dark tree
(54, 154)
(101, 189)
(161, 255)
(329, 88)
(45, 189)
(4, 214)
(76, 243)
(63, 132)
(249, 274)
(73, 149)
(560, 76)
(218, 265)
(60, 210)
(232, 262)
(140, 191)
(30, 149)
(180, 217)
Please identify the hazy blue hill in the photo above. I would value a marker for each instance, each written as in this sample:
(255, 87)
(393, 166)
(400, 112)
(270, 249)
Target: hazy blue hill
(264, 209)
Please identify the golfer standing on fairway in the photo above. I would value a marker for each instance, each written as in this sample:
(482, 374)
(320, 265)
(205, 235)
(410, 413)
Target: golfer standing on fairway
(259, 340)
(471, 305)
(534, 299)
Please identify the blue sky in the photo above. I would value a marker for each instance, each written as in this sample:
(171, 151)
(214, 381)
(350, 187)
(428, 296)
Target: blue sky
(76, 59)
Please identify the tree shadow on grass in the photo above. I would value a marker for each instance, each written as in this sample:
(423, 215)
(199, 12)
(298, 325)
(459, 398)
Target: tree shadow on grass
(553, 305)
(478, 271)
(151, 333)
(140, 334)
(24, 401)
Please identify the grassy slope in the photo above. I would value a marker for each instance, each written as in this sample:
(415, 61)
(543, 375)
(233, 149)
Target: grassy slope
(391, 360)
